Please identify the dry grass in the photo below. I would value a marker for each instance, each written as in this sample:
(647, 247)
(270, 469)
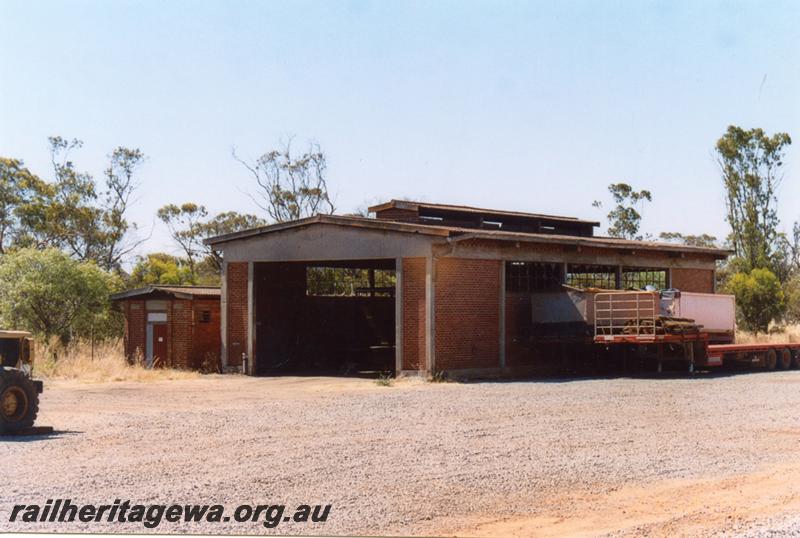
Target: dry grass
(777, 334)
(109, 364)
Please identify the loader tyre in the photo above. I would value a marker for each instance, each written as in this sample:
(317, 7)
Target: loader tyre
(19, 401)
(771, 359)
(785, 359)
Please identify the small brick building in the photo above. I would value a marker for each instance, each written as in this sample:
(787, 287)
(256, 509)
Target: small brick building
(176, 326)
(423, 288)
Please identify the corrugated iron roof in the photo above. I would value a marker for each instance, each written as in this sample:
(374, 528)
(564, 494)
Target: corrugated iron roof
(594, 241)
(455, 233)
(339, 220)
(180, 292)
(415, 206)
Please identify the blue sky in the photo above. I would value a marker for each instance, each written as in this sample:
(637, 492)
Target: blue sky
(518, 105)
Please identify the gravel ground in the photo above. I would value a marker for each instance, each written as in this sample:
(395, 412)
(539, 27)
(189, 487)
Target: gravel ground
(768, 528)
(414, 458)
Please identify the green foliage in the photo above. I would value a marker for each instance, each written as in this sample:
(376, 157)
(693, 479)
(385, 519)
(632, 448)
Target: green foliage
(750, 162)
(349, 281)
(21, 195)
(54, 295)
(160, 268)
(225, 223)
(290, 186)
(624, 219)
(189, 225)
(703, 240)
(185, 226)
(791, 291)
(759, 298)
(120, 185)
(74, 224)
(68, 213)
(786, 258)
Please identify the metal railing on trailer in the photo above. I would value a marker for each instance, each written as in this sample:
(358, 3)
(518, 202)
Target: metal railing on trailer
(634, 318)
(625, 314)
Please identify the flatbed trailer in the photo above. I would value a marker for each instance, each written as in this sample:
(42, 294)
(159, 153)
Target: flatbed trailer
(770, 355)
(688, 348)
(696, 351)
(628, 322)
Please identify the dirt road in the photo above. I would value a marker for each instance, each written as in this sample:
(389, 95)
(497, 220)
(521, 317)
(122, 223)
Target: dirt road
(688, 456)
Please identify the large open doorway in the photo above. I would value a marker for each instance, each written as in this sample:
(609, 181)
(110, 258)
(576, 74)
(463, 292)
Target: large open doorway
(324, 318)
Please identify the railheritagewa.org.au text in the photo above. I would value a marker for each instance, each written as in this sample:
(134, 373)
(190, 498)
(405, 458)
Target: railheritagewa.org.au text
(153, 515)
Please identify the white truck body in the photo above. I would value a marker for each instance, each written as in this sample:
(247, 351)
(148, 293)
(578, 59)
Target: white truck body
(715, 312)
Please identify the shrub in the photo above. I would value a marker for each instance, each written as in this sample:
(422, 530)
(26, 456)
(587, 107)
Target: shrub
(53, 295)
(440, 376)
(791, 291)
(384, 379)
(759, 298)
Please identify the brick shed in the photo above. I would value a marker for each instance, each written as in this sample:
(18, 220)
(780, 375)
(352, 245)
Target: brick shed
(422, 288)
(178, 325)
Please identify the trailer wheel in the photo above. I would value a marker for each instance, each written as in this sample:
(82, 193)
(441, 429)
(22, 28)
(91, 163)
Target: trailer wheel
(771, 359)
(795, 359)
(785, 361)
(19, 401)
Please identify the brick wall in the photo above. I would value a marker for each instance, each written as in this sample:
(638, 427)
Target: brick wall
(467, 305)
(236, 290)
(206, 335)
(125, 308)
(694, 280)
(413, 297)
(135, 336)
(179, 331)
(188, 341)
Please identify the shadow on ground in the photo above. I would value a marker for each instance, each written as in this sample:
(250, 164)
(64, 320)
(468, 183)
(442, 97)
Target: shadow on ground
(25, 438)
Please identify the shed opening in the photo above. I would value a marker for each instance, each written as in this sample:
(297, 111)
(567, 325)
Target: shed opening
(324, 318)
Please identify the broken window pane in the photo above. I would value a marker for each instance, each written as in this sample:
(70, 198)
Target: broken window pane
(534, 276)
(639, 278)
(592, 276)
